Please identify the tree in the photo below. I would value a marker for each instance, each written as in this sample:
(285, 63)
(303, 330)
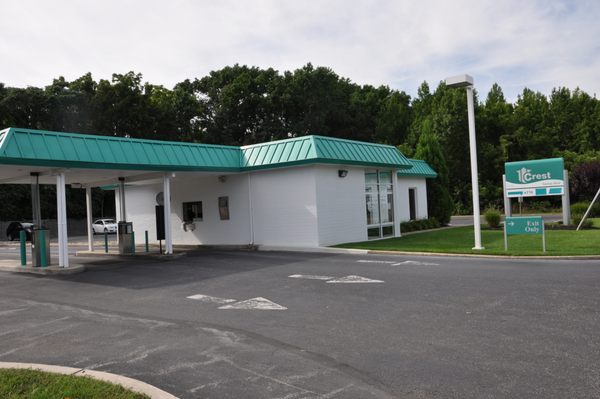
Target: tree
(439, 202)
(584, 181)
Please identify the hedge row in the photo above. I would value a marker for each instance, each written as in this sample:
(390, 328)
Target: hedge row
(421, 224)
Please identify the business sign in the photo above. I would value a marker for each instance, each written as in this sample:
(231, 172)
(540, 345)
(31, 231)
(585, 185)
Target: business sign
(535, 178)
(524, 225)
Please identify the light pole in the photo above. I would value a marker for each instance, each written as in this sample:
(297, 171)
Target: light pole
(466, 81)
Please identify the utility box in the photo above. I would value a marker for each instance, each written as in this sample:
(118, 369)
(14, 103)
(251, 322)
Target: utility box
(40, 248)
(126, 243)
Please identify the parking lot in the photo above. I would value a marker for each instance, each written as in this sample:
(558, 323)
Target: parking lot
(215, 324)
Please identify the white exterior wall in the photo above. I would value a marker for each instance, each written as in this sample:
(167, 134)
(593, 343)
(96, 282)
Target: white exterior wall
(191, 188)
(403, 208)
(341, 205)
(303, 206)
(284, 207)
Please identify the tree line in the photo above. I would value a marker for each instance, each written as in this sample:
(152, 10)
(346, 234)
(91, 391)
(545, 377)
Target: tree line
(240, 105)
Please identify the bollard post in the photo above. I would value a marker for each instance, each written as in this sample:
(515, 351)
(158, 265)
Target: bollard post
(133, 242)
(147, 246)
(105, 242)
(42, 246)
(23, 238)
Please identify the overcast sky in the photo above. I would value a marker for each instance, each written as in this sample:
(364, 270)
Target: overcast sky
(517, 43)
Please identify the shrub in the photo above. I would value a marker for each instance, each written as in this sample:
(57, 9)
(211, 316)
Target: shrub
(580, 207)
(420, 224)
(492, 218)
(586, 225)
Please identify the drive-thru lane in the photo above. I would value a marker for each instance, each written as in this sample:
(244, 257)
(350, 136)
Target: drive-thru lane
(428, 327)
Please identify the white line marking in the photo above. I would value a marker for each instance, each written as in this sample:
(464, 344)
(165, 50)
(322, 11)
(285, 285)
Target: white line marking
(311, 277)
(211, 299)
(353, 280)
(258, 303)
(375, 261)
(415, 262)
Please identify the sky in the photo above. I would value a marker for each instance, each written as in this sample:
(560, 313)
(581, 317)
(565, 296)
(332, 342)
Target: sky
(401, 43)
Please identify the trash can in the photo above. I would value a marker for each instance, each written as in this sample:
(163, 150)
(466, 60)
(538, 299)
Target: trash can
(125, 231)
(40, 248)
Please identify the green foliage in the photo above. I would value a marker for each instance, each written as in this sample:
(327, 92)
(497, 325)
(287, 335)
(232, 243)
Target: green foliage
(492, 218)
(460, 240)
(242, 105)
(421, 224)
(579, 208)
(585, 225)
(584, 181)
(439, 202)
(17, 384)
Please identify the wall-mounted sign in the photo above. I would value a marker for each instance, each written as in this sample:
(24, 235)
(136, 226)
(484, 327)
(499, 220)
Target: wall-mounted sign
(524, 225)
(535, 178)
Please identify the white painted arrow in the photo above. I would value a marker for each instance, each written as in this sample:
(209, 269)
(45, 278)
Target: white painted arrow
(416, 263)
(211, 299)
(258, 303)
(311, 277)
(353, 280)
(374, 261)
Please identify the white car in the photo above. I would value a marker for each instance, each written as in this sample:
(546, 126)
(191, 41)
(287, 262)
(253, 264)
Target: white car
(102, 226)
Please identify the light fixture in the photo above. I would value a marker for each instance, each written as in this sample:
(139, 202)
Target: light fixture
(342, 173)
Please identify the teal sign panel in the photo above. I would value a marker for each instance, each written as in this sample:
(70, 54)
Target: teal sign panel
(524, 225)
(535, 178)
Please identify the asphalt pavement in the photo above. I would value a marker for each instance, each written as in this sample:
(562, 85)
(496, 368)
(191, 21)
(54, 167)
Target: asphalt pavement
(343, 326)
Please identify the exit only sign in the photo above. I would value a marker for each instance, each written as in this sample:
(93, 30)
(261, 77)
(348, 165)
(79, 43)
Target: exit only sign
(524, 225)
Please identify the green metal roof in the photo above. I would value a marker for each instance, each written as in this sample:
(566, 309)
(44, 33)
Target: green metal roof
(419, 168)
(319, 149)
(72, 150)
(43, 148)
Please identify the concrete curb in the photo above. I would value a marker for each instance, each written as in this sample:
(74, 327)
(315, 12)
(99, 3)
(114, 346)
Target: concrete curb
(322, 250)
(45, 271)
(126, 382)
(454, 255)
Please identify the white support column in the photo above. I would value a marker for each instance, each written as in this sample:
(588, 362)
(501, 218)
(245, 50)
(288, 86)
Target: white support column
(88, 208)
(122, 199)
(507, 204)
(566, 201)
(167, 201)
(61, 206)
(397, 232)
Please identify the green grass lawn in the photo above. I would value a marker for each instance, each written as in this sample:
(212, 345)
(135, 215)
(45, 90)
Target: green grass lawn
(460, 240)
(33, 384)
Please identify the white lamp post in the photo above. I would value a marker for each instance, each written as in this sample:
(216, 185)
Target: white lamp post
(466, 81)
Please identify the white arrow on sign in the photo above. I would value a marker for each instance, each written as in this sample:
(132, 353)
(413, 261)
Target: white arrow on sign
(258, 303)
(353, 280)
(511, 223)
(211, 299)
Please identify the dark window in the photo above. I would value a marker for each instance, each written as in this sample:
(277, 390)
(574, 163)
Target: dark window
(192, 211)
(412, 203)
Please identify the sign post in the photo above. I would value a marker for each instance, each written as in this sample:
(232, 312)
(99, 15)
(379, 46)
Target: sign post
(527, 225)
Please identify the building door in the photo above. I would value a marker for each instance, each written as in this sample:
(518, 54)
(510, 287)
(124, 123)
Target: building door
(412, 203)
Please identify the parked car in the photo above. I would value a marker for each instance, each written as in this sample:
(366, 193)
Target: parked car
(102, 226)
(14, 229)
